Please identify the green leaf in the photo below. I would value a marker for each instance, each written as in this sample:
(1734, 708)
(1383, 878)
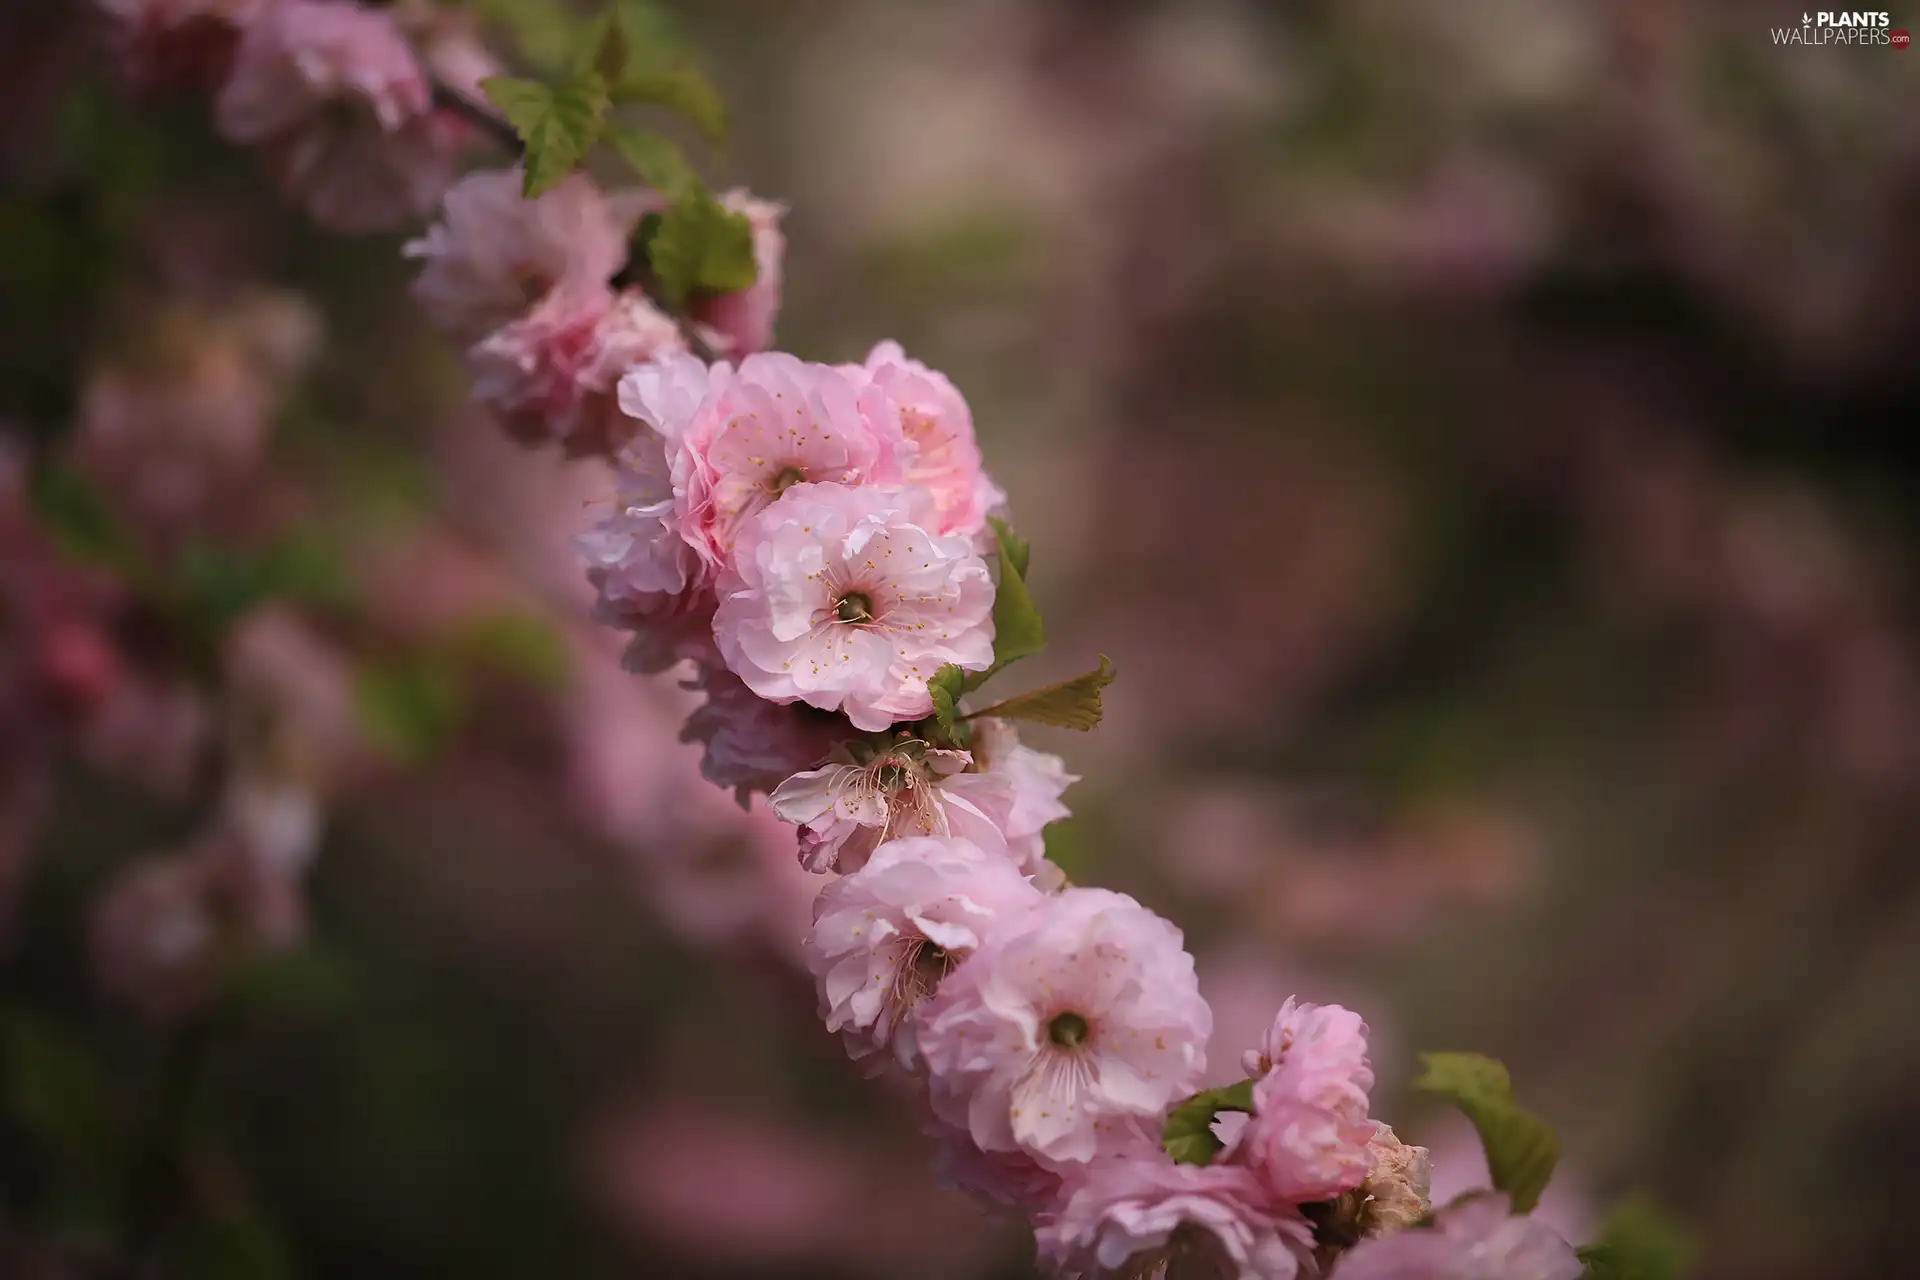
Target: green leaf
(1521, 1148)
(701, 246)
(1071, 704)
(1018, 631)
(660, 164)
(1641, 1241)
(409, 708)
(80, 519)
(557, 125)
(56, 1091)
(1018, 550)
(613, 51)
(681, 89)
(1189, 1137)
(944, 689)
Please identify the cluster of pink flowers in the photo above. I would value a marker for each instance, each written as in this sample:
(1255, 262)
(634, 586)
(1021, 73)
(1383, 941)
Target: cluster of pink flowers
(809, 544)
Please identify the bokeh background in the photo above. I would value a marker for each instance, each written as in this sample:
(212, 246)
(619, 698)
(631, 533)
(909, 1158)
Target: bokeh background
(1482, 435)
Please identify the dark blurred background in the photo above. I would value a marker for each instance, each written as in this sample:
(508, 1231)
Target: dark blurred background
(1482, 435)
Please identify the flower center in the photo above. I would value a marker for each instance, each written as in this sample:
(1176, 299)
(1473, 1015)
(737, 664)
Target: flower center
(784, 479)
(855, 606)
(1067, 1029)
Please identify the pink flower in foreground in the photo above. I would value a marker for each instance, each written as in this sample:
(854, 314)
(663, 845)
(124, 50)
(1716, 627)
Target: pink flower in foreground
(1310, 1138)
(1475, 1239)
(550, 374)
(343, 112)
(178, 44)
(885, 937)
(854, 805)
(1036, 780)
(842, 599)
(752, 744)
(1011, 1178)
(742, 437)
(1148, 1216)
(495, 253)
(1071, 1027)
(938, 426)
(742, 322)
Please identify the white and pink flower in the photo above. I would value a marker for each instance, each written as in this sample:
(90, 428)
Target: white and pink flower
(1147, 1216)
(843, 599)
(743, 437)
(494, 253)
(343, 112)
(1070, 1030)
(862, 798)
(1036, 781)
(1310, 1138)
(938, 426)
(886, 936)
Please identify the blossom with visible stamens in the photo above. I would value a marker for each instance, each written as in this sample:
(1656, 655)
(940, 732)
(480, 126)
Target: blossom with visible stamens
(1071, 1028)
(744, 436)
(885, 936)
(861, 799)
(843, 599)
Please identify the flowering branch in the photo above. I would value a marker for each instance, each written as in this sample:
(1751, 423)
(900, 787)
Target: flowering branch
(822, 547)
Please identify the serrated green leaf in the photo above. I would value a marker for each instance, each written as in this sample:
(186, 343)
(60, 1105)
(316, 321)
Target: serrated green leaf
(1189, 1137)
(660, 164)
(1070, 704)
(681, 89)
(701, 246)
(1521, 1148)
(1018, 631)
(944, 689)
(1641, 1241)
(556, 125)
(1018, 549)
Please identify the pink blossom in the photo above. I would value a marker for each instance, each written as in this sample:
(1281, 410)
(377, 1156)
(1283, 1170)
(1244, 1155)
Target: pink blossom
(178, 44)
(752, 744)
(647, 578)
(885, 936)
(154, 933)
(550, 374)
(742, 437)
(742, 322)
(1147, 1216)
(852, 806)
(938, 427)
(343, 112)
(1071, 1027)
(1036, 780)
(1309, 1137)
(1011, 1178)
(1474, 1239)
(494, 253)
(842, 599)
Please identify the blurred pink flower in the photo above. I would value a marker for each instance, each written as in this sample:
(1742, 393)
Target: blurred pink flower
(752, 745)
(1477, 1239)
(178, 44)
(343, 112)
(1147, 1216)
(494, 253)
